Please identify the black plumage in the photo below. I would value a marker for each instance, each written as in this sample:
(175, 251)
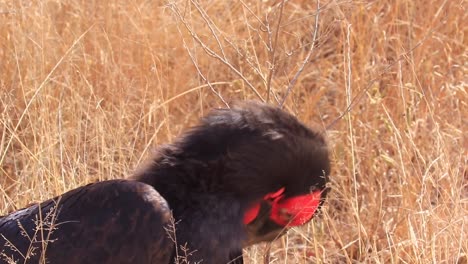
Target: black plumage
(244, 161)
(117, 221)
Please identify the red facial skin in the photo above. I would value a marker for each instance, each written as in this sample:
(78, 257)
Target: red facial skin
(294, 211)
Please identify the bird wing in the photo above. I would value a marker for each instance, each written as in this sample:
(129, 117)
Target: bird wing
(117, 221)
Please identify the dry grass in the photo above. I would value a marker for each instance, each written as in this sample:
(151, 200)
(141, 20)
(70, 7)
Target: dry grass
(88, 87)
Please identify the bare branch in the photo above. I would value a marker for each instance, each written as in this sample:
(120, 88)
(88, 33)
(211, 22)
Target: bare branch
(218, 94)
(212, 53)
(307, 58)
(272, 51)
(210, 24)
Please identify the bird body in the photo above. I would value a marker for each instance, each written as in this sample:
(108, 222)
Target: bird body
(242, 176)
(95, 223)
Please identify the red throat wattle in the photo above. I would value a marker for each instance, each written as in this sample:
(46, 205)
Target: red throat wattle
(289, 212)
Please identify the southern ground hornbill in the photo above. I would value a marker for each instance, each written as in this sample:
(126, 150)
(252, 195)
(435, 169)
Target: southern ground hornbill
(240, 177)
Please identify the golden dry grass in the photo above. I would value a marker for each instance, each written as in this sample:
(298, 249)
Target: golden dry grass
(88, 87)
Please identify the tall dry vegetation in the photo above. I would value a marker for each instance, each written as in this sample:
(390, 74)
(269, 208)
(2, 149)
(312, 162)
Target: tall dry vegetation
(89, 87)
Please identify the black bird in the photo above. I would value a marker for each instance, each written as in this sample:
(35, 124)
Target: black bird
(242, 176)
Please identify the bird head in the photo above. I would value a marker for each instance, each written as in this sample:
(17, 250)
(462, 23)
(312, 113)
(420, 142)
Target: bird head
(258, 162)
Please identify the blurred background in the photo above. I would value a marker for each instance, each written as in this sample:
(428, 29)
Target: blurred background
(89, 88)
